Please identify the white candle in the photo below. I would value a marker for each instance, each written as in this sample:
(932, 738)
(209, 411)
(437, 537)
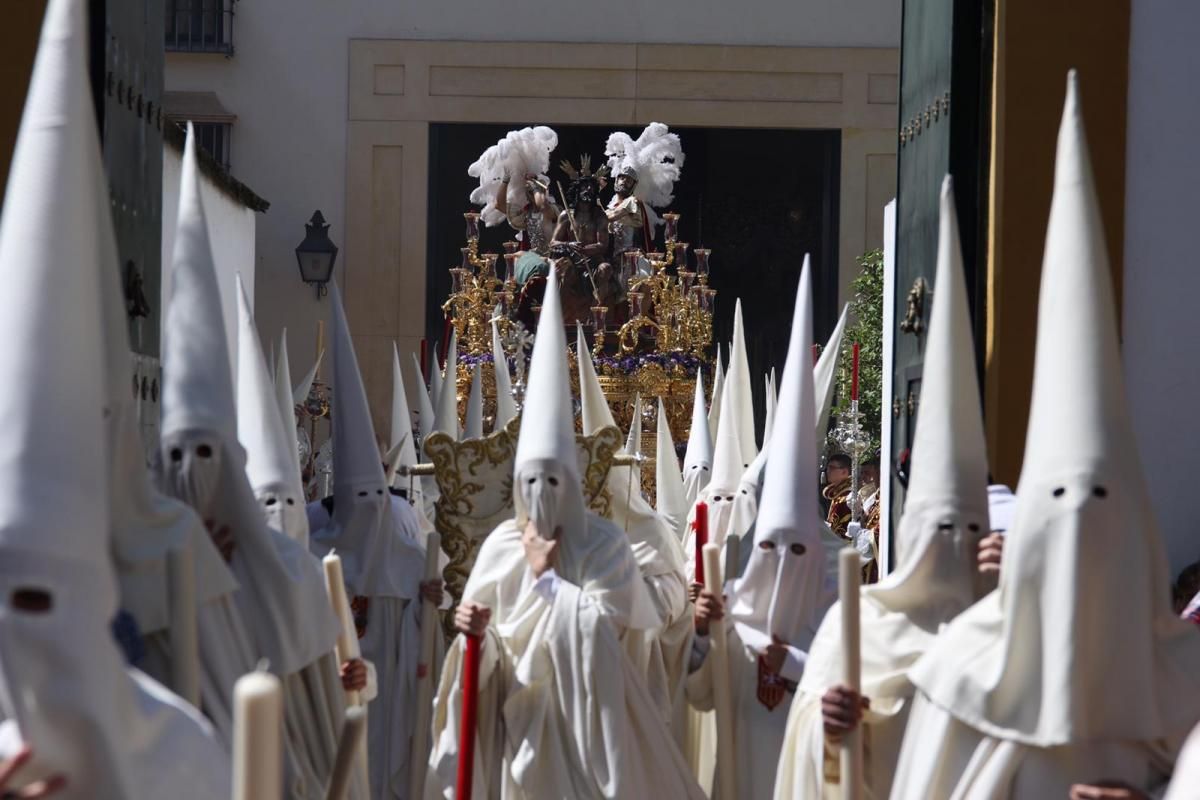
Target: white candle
(185, 648)
(349, 745)
(722, 696)
(849, 581)
(347, 642)
(257, 737)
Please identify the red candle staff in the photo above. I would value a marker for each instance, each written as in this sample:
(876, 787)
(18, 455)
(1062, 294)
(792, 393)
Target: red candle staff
(701, 527)
(854, 375)
(470, 710)
(425, 360)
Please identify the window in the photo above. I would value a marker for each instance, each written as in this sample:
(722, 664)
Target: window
(214, 139)
(200, 26)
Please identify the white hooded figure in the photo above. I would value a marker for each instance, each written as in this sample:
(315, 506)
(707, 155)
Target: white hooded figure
(402, 440)
(737, 406)
(1075, 670)
(945, 515)
(281, 588)
(271, 466)
(446, 406)
(718, 392)
(315, 698)
(383, 556)
(506, 406)
(725, 516)
(775, 606)
(562, 711)
(65, 690)
(697, 459)
(428, 488)
(670, 498)
(659, 652)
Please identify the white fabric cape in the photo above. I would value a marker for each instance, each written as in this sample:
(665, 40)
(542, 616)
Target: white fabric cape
(563, 713)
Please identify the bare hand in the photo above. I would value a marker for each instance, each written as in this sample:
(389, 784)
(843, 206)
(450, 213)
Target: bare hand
(43, 788)
(353, 674)
(709, 608)
(991, 548)
(775, 654)
(1106, 790)
(694, 590)
(222, 539)
(433, 591)
(841, 711)
(541, 553)
(471, 618)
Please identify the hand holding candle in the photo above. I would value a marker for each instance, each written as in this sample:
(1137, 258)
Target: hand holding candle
(700, 525)
(849, 581)
(347, 641)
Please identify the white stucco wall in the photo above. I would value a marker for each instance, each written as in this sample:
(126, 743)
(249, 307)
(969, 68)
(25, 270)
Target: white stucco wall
(231, 230)
(287, 82)
(1162, 266)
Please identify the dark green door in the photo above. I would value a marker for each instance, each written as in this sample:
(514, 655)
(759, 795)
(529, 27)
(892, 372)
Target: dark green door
(945, 91)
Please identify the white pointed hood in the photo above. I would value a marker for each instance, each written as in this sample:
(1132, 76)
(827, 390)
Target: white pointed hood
(146, 524)
(424, 405)
(273, 470)
(446, 418)
(1084, 548)
(633, 440)
(474, 427)
(63, 683)
(769, 404)
(301, 390)
(203, 463)
(697, 461)
(738, 404)
(506, 406)
(780, 591)
(435, 386)
(718, 393)
(595, 410)
(402, 422)
(825, 371)
(945, 511)
(670, 501)
(287, 403)
(376, 560)
(727, 470)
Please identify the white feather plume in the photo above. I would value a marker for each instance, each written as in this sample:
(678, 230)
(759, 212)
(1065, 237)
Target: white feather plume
(658, 158)
(518, 154)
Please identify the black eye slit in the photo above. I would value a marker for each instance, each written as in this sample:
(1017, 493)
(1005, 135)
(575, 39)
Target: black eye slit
(1059, 492)
(38, 601)
(945, 526)
(973, 527)
(766, 545)
(362, 494)
(290, 502)
(1099, 491)
(799, 549)
(271, 501)
(204, 451)
(743, 491)
(553, 480)
(532, 481)
(379, 491)
(176, 454)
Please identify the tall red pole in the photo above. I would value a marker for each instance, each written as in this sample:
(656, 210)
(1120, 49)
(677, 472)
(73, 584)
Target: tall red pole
(701, 526)
(425, 360)
(470, 710)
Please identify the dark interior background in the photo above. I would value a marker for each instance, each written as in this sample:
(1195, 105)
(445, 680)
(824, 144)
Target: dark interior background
(760, 199)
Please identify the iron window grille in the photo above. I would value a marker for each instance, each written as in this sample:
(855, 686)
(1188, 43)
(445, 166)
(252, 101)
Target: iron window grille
(200, 26)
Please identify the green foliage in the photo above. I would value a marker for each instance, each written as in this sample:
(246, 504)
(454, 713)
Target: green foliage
(866, 328)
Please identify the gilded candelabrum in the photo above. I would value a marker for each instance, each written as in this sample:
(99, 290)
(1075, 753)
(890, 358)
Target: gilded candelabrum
(477, 291)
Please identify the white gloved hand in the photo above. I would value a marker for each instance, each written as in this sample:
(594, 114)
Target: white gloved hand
(862, 538)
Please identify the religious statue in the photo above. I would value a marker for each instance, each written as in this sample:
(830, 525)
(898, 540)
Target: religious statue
(646, 170)
(580, 244)
(627, 226)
